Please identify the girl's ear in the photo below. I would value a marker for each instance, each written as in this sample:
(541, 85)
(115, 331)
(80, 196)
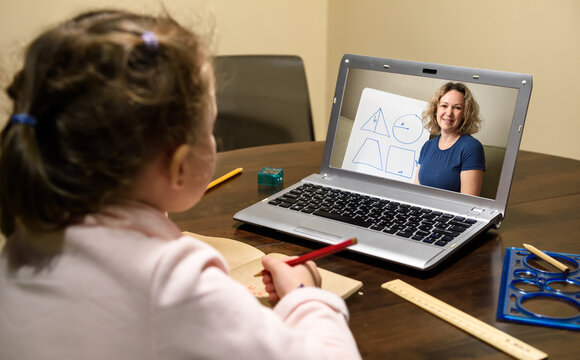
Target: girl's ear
(178, 166)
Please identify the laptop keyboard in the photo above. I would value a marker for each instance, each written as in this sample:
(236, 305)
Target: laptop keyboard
(404, 220)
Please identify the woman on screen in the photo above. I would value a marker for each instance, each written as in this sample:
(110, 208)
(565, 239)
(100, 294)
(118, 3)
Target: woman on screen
(453, 160)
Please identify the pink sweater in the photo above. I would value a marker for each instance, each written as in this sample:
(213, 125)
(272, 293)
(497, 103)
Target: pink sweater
(128, 285)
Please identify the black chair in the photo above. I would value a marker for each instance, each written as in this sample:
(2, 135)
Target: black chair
(262, 99)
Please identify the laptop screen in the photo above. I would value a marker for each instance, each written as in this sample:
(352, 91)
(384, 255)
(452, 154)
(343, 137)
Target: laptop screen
(380, 130)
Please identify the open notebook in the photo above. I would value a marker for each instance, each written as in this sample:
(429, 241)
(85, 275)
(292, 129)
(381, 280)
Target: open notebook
(244, 261)
(366, 188)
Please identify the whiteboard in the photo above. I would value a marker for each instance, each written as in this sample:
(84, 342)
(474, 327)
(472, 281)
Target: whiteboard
(387, 136)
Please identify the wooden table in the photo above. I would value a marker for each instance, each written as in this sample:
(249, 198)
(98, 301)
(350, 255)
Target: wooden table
(543, 210)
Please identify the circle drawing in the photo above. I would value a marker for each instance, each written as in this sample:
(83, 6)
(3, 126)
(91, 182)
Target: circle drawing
(408, 128)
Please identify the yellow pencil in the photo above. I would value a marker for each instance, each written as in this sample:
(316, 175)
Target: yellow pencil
(224, 178)
(547, 258)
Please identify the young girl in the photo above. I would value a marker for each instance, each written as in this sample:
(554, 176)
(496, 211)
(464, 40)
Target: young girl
(111, 128)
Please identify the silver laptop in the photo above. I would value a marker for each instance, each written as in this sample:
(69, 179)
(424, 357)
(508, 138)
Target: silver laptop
(366, 186)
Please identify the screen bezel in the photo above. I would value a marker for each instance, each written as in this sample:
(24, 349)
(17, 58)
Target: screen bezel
(522, 83)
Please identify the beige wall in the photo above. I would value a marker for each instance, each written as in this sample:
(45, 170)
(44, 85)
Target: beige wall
(295, 27)
(530, 36)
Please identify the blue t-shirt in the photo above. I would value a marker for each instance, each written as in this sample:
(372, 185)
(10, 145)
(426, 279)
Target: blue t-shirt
(441, 168)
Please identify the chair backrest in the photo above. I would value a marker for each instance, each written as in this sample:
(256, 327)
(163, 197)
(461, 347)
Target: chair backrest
(262, 99)
(494, 157)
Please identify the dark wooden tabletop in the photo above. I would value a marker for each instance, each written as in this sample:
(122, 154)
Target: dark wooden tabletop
(543, 210)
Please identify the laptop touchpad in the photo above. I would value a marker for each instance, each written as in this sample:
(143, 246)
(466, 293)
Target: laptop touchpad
(322, 229)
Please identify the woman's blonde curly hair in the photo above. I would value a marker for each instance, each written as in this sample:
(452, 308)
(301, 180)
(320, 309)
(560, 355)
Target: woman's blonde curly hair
(471, 120)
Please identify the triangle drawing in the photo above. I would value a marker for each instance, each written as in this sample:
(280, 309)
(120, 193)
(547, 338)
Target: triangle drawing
(376, 124)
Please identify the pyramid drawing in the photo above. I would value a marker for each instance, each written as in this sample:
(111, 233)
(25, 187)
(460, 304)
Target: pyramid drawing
(376, 124)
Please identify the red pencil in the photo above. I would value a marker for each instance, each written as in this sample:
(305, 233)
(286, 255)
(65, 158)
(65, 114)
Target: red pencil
(317, 254)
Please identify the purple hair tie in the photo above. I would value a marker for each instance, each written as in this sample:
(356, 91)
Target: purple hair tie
(150, 40)
(23, 119)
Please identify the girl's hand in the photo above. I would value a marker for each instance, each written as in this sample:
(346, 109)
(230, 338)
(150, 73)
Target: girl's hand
(281, 278)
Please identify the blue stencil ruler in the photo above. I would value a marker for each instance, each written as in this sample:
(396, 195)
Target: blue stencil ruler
(533, 292)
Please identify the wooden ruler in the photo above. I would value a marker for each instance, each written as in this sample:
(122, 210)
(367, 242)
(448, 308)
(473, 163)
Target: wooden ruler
(465, 322)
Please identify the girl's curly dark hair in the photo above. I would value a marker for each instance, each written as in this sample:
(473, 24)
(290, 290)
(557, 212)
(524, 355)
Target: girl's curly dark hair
(106, 102)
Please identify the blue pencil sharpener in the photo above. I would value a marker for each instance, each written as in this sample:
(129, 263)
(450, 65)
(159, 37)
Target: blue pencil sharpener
(270, 176)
